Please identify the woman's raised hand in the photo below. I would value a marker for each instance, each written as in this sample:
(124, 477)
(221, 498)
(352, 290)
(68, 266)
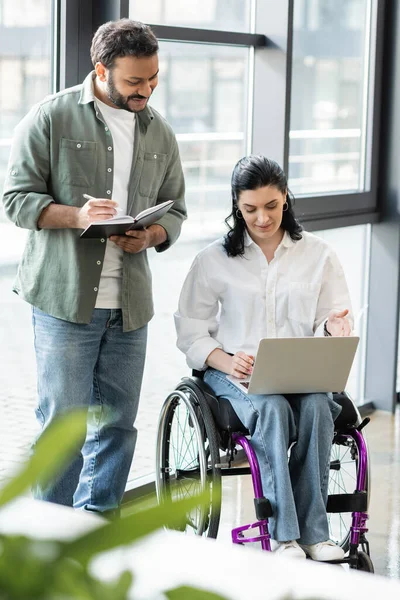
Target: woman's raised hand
(242, 365)
(338, 325)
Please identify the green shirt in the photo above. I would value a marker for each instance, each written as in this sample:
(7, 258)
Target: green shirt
(61, 150)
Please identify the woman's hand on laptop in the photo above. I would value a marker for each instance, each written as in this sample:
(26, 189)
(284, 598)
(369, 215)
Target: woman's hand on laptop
(337, 324)
(242, 365)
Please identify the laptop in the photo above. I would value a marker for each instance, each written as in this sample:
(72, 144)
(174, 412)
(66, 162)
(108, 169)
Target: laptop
(300, 365)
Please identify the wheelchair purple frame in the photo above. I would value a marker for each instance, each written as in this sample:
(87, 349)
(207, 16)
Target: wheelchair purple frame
(237, 533)
(358, 527)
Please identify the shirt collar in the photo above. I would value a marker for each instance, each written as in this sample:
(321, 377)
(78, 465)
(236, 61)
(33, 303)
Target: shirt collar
(87, 95)
(286, 241)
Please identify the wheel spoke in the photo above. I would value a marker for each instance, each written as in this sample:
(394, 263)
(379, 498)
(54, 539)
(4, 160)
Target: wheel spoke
(342, 481)
(188, 456)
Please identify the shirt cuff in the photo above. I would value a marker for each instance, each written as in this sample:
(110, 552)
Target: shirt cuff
(172, 225)
(30, 210)
(199, 351)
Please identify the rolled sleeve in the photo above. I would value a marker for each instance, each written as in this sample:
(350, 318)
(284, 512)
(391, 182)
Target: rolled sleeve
(194, 341)
(25, 190)
(196, 320)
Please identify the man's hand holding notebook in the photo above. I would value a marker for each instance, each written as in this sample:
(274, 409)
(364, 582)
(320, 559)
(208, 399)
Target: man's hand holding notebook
(120, 224)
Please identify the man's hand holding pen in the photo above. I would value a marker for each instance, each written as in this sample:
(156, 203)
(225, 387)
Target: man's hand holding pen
(95, 209)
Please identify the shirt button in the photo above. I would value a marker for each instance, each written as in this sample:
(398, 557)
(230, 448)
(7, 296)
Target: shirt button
(108, 192)
(109, 148)
(99, 262)
(106, 128)
(109, 169)
(155, 156)
(13, 172)
(95, 289)
(79, 145)
(102, 240)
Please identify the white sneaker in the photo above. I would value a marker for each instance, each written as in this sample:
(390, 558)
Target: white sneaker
(323, 551)
(290, 549)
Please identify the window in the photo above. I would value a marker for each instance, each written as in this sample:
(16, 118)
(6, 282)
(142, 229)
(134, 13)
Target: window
(194, 84)
(26, 78)
(329, 96)
(218, 81)
(351, 244)
(195, 81)
(25, 64)
(228, 15)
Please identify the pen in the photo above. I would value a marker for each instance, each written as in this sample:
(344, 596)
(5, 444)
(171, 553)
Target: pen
(89, 197)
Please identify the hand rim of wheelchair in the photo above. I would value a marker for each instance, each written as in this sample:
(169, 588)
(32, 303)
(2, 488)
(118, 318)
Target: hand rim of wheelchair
(343, 540)
(207, 475)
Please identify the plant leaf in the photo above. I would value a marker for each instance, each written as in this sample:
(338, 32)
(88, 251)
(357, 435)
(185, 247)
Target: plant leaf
(53, 450)
(186, 592)
(133, 527)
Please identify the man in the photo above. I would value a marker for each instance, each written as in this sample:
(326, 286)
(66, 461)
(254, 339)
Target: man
(91, 298)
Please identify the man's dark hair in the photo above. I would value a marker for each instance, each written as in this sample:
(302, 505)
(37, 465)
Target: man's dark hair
(122, 38)
(251, 173)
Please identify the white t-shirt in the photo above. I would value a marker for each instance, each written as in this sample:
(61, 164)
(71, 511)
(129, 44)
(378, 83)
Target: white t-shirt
(233, 302)
(121, 124)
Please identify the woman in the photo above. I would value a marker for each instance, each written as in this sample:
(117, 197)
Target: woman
(268, 278)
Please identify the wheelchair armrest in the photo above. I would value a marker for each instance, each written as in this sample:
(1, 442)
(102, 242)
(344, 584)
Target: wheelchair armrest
(198, 374)
(349, 416)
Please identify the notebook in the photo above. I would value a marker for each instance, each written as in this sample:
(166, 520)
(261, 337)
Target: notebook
(120, 224)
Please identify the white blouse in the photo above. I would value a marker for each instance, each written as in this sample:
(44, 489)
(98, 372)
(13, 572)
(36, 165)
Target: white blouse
(233, 302)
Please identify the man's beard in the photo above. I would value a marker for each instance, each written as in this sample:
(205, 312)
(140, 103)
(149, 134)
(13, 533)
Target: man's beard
(118, 99)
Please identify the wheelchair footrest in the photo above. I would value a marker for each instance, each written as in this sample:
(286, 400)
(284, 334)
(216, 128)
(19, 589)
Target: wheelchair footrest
(239, 538)
(263, 508)
(356, 502)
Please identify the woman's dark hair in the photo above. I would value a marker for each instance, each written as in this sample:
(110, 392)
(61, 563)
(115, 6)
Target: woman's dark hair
(122, 38)
(251, 173)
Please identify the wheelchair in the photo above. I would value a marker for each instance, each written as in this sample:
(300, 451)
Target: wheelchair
(195, 425)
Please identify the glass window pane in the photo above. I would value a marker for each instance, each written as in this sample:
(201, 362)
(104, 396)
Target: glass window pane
(195, 82)
(25, 65)
(328, 98)
(226, 15)
(352, 247)
(26, 78)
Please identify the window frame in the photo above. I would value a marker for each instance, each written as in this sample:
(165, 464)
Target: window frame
(337, 209)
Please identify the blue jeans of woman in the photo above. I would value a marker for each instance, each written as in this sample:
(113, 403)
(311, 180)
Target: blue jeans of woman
(97, 367)
(297, 488)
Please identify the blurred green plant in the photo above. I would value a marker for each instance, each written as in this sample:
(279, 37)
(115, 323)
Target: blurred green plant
(59, 570)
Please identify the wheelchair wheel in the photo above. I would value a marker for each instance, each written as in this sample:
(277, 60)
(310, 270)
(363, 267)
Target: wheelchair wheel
(364, 563)
(343, 480)
(186, 455)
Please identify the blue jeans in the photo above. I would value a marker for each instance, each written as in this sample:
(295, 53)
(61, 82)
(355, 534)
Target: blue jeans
(298, 488)
(99, 368)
